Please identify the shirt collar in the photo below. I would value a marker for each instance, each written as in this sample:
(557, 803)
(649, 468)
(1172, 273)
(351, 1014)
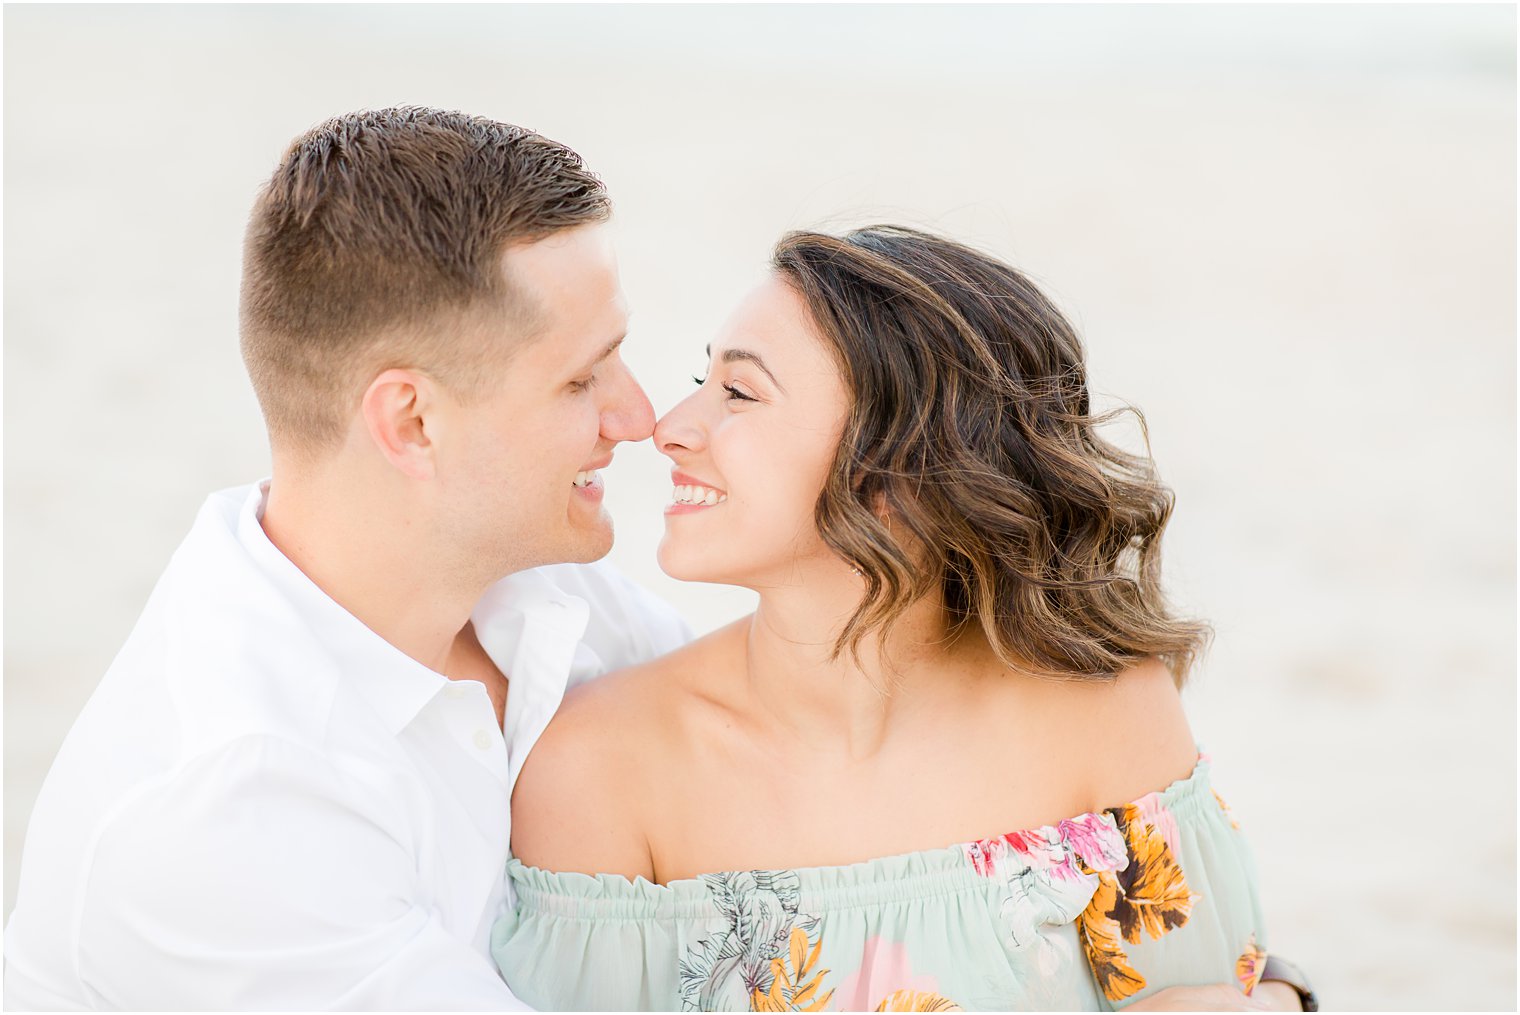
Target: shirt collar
(533, 629)
(527, 624)
(396, 686)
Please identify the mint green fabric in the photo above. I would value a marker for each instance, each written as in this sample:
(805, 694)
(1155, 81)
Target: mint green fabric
(1092, 913)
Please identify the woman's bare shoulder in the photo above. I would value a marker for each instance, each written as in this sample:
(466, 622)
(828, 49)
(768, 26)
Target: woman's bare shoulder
(620, 710)
(577, 805)
(1128, 735)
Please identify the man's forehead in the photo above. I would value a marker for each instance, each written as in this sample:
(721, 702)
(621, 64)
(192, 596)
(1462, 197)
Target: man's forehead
(564, 262)
(568, 285)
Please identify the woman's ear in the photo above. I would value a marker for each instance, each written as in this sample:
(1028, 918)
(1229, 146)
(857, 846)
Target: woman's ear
(395, 408)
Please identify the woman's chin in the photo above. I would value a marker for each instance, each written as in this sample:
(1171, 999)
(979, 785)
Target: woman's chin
(684, 563)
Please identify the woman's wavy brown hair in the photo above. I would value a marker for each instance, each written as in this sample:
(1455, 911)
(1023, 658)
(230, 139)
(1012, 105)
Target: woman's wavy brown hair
(970, 429)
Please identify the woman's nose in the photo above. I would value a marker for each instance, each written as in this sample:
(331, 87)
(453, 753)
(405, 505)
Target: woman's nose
(679, 429)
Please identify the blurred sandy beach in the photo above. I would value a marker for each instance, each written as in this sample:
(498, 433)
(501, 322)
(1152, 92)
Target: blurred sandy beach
(1287, 234)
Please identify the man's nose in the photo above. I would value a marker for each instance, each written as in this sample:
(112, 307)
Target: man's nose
(629, 417)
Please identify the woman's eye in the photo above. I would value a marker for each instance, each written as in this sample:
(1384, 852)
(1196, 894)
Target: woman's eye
(733, 392)
(583, 385)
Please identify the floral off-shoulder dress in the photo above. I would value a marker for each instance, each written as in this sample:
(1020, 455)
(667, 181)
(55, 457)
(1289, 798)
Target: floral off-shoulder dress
(1092, 913)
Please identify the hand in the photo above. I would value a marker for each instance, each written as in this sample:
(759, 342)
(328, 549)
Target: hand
(1214, 997)
(1278, 996)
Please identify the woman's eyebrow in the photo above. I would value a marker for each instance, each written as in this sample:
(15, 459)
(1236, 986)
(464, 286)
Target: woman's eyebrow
(735, 355)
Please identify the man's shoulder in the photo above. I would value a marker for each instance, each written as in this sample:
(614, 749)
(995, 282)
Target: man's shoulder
(217, 654)
(225, 666)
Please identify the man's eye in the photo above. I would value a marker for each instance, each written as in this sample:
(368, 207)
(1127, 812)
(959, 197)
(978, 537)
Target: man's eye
(582, 385)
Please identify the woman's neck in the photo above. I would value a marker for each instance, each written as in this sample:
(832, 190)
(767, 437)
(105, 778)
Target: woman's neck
(850, 706)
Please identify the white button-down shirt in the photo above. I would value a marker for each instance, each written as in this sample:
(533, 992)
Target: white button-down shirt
(266, 805)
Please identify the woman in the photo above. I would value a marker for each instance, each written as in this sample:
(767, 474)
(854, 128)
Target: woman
(944, 764)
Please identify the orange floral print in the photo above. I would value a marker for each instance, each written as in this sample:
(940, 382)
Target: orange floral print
(791, 988)
(1226, 808)
(1100, 940)
(1249, 966)
(1148, 896)
(917, 1000)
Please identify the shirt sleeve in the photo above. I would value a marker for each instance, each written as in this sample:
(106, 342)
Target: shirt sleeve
(260, 877)
(1183, 910)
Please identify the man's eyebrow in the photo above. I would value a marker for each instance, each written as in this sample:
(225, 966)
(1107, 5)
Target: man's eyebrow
(612, 347)
(736, 355)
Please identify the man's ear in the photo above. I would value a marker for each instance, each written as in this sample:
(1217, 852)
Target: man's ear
(395, 407)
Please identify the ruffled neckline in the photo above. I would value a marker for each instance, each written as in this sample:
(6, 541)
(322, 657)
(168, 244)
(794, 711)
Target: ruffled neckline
(1056, 852)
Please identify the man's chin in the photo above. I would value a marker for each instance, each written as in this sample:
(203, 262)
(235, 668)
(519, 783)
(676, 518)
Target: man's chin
(582, 544)
(592, 545)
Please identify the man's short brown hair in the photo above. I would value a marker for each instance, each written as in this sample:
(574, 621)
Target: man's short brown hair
(378, 242)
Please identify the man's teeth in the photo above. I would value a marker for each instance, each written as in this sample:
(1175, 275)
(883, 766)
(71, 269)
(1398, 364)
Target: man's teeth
(698, 495)
(584, 478)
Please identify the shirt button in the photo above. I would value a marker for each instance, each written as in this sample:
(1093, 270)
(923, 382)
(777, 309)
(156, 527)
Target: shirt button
(483, 739)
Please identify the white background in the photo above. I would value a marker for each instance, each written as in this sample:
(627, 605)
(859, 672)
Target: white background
(1287, 234)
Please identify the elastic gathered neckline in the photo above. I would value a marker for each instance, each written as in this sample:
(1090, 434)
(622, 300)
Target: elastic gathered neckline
(900, 878)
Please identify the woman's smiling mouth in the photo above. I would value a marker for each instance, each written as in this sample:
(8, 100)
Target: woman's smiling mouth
(689, 494)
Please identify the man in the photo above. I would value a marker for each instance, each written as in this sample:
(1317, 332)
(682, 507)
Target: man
(290, 789)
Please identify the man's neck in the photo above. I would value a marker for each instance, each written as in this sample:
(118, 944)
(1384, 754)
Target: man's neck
(469, 661)
(395, 587)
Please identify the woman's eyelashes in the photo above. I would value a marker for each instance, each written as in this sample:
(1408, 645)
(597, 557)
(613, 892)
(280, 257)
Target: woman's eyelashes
(733, 392)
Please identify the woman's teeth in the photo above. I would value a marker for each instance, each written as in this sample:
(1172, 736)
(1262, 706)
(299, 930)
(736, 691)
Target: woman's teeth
(697, 495)
(584, 478)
